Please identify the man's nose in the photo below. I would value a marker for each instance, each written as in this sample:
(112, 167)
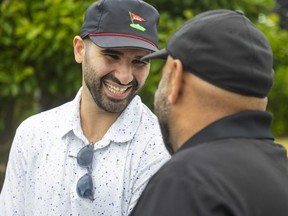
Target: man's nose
(124, 73)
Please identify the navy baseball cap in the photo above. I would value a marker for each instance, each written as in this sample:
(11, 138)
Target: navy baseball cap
(122, 23)
(226, 49)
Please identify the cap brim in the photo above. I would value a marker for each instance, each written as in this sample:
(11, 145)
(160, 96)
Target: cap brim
(160, 54)
(121, 42)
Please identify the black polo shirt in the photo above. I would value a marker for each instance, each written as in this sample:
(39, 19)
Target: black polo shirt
(232, 167)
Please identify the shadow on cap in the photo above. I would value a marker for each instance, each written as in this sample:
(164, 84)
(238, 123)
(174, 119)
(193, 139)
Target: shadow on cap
(226, 49)
(122, 23)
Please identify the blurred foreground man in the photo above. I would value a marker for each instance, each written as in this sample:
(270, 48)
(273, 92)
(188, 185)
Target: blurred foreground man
(211, 105)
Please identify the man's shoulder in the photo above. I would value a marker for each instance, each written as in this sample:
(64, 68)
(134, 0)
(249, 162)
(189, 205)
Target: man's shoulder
(139, 119)
(138, 105)
(46, 118)
(147, 116)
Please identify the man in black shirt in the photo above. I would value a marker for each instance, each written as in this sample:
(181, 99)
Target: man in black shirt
(211, 104)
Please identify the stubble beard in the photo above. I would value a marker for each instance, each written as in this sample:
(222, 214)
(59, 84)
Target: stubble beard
(95, 83)
(162, 111)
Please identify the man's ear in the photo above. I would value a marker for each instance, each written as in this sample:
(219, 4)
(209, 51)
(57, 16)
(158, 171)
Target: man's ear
(176, 81)
(79, 49)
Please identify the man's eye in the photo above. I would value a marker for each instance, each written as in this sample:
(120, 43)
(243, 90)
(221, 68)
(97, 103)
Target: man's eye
(112, 56)
(139, 62)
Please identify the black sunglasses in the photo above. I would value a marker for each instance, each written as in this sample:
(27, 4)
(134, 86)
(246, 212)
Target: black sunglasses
(85, 183)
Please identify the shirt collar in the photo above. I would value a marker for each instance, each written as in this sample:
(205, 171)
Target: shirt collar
(247, 124)
(71, 115)
(122, 130)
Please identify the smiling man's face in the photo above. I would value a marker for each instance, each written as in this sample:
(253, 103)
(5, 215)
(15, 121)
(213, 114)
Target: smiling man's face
(114, 76)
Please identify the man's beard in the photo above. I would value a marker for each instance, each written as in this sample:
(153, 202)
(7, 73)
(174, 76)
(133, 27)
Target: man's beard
(165, 130)
(162, 110)
(94, 84)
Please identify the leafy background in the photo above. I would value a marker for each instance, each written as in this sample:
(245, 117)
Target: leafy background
(38, 71)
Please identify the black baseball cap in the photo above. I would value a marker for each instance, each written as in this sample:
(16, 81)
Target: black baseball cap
(226, 49)
(122, 23)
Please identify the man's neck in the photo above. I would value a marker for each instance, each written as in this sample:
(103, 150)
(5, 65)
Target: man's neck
(95, 122)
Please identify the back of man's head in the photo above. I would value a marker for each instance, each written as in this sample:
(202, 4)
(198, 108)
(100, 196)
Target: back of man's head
(225, 49)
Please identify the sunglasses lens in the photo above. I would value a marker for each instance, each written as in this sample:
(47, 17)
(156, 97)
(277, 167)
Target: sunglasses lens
(85, 187)
(85, 156)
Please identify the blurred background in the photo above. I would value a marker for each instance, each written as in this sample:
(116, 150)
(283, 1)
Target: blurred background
(38, 71)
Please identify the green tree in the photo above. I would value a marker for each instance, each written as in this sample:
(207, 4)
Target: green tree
(278, 97)
(37, 69)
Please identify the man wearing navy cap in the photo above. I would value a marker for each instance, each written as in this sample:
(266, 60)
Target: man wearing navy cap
(95, 154)
(211, 104)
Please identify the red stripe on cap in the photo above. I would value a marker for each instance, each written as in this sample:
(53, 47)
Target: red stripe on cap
(123, 35)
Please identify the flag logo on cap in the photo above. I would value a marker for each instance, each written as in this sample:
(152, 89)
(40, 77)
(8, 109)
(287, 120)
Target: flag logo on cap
(137, 18)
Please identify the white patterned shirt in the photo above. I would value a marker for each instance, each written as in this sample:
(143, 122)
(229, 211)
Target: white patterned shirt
(41, 178)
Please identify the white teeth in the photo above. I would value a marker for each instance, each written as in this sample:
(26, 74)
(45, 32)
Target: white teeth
(115, 89)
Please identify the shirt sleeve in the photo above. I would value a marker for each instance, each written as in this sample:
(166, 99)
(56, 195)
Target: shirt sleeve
(12, 199)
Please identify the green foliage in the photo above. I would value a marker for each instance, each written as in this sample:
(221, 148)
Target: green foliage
(37, 68)
(278, 97)
(176, 7)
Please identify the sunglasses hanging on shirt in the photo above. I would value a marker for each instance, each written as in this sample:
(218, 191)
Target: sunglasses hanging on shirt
(84, 186)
